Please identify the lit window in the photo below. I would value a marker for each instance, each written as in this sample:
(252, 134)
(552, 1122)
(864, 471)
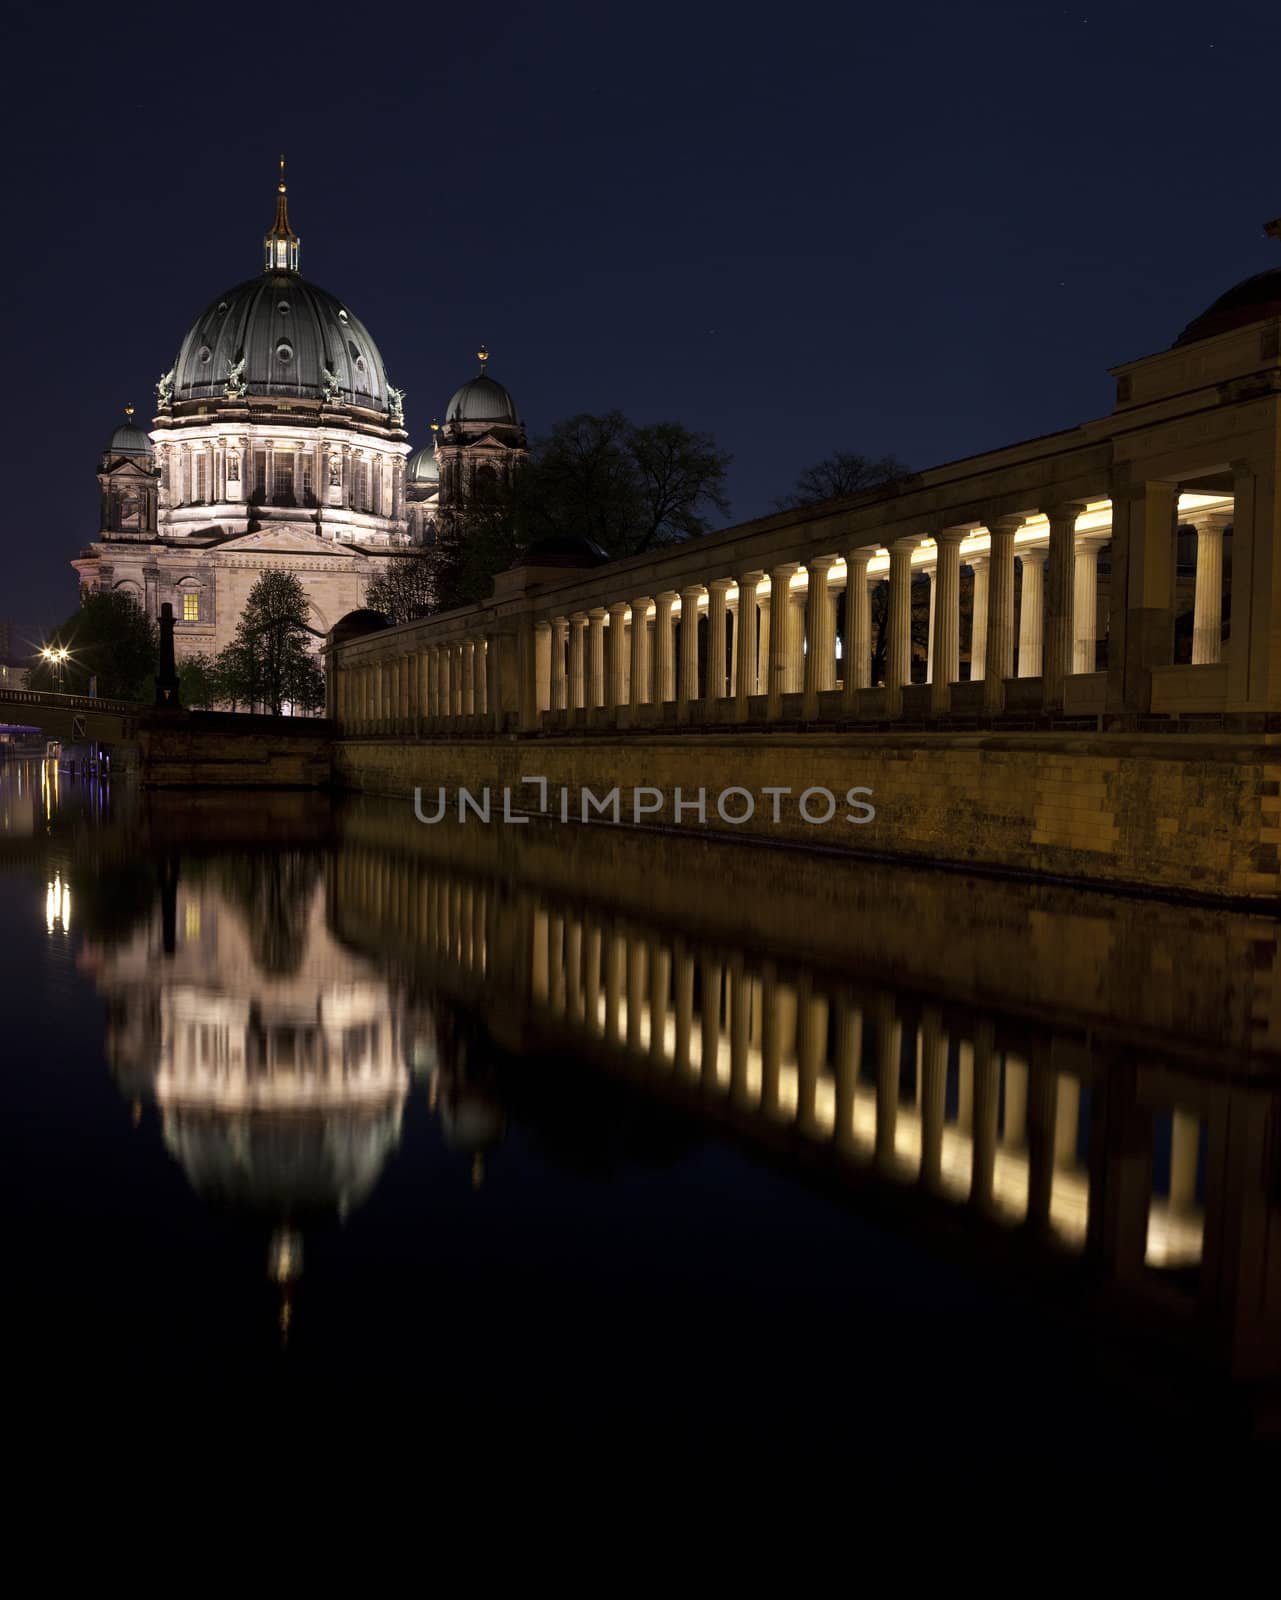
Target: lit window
(191, 608)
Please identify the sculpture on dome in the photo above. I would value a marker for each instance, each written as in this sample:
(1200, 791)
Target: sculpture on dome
(395, 403)
(236, 385)
(331, 385)
(164, 388)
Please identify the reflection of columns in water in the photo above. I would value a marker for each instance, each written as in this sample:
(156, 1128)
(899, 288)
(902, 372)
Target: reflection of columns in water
(849, 1048)
(710, 983)
(591, 975)
(635, 991)
(1014, 1128)
(1042, 1108)
(615, 960)
(684, 987)
(987, 1105)
(1066, 1119)
(933, 1096)
(811, 1047)
(659, 980)
(556, 964)
(771, 1047)
(889, 1048)
(739, 1029)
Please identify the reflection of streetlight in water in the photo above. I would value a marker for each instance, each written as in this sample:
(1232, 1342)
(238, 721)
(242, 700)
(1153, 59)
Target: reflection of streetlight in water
(284, 1265)
(57, 906)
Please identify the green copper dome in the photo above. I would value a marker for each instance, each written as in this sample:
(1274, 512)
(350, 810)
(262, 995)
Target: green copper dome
(127, 440)
(422, 467)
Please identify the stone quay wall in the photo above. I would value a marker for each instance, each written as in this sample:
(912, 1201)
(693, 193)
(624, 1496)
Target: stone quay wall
(1191, 815)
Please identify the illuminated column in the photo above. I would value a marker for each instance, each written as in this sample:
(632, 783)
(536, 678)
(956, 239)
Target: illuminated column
(898, 655)
(999, 658)
(763, 604)
(688, 687)
(978, 619)
(424, 684)
(617, 642)
(933, 1097)
(469, 677)
(745, 635)
(1185, 1140)
(819, 653)
(480, 678)
(1207, 617)
(947, 618)
(987, 1105)
(596, 657)
(780, 579)
(433, 680)
(889, 1035)
(731, 614)
(542, 666)
(640, 692)
(1061, 604)
(857, 656)
(1031, 606)
(577, 643)
(795, 608)
(664, 648)
(1085, 602)
(931, 578)
(716, 612)
(560, 683)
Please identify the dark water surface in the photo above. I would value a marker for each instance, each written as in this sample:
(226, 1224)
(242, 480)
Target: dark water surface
(647, 1140)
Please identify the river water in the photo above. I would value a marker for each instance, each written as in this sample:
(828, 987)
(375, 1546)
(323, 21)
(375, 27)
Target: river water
(656, 1141)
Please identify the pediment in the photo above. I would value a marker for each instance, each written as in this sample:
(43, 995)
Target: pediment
(284, 539)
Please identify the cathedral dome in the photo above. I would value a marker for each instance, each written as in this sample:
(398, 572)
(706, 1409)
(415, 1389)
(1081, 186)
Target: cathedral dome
(289, 335)
(128, 439)
(422, 468)
(482, 399)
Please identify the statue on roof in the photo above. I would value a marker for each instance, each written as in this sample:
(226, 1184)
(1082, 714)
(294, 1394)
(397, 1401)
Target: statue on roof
(395, 403)
(236, 385)
(164, 388)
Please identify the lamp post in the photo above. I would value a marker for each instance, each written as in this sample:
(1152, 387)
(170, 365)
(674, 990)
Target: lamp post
(56, 656)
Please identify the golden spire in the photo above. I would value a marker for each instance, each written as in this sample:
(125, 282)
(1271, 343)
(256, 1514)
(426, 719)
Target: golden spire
(482, 355)
(129, 411)
(280, 247)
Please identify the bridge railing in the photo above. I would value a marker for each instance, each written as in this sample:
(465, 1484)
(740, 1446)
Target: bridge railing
(68, 702)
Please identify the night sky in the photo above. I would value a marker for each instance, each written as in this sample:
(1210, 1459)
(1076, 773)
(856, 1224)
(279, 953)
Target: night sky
(920, 228)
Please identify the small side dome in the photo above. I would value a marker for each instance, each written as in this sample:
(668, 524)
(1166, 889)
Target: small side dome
(561, 550)
(483, 399)
(128, 439)
(1252, 300)
(422, 468)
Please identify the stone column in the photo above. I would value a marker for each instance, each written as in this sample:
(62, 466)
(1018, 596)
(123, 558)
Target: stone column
(716, 612)
(640, 689)
(858, 625)
(688, 686)
(947, 618)
(978, 619)
(1059, 587)
(1141, 632)
(780, 579)
(1207, 617)
(480, 678)
(819, 664)
(763, 604)
(469, 677)
(1085, 602)
(999, 658)
(745, 685)
(1031, 603)
(577, 641)
(898, 653)
(931, 577)
(794, 682)
(560, 683)
(664, 648)
(596, 657)
(617, 641)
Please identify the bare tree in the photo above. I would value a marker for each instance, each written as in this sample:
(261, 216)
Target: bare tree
(842, 473)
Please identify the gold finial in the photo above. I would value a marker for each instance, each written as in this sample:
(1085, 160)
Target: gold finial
(482, 355)
(128, 411)
(435, 426)
(281, 185)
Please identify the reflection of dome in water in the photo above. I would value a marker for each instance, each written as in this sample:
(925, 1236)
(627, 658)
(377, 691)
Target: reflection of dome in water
(309, 1164)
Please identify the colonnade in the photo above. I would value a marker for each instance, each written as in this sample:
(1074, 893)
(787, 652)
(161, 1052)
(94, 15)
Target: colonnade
(795, 641)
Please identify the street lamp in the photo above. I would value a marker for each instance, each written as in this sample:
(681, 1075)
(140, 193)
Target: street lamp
(57, 656)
